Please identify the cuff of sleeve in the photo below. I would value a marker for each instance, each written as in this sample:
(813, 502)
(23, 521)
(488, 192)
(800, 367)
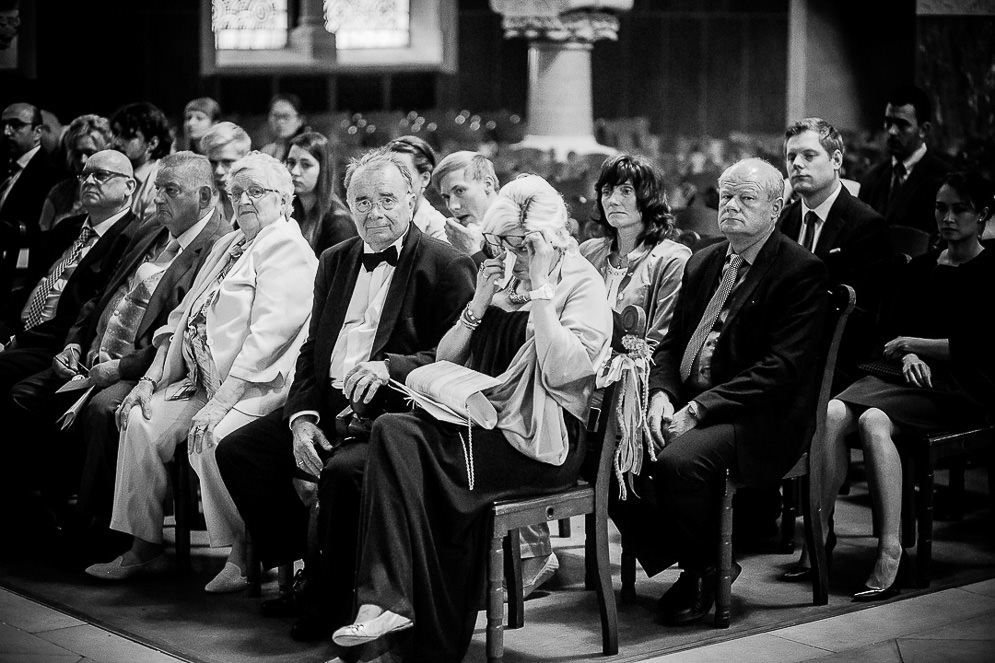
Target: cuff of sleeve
(303, 413)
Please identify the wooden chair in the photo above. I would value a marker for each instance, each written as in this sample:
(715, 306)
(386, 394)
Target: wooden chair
(807, 469)
(921, 454)
(507, 516)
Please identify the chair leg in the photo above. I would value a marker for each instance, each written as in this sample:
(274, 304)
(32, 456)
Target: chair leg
(285, 578)
(956, 490)
(910, 501)
(598, 545)
(253, 571)
(789, 512)
(564, 527)
(181, 497)
(495, 600)
(723, 592)
(628, 594)
(814, 537)
(924, 545)
(513, 579)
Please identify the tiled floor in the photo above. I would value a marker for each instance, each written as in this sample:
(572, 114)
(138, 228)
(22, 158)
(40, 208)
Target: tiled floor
(949, 626)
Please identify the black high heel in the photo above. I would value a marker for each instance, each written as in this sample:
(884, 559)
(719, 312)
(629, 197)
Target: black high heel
(804, 573)
(883, 593)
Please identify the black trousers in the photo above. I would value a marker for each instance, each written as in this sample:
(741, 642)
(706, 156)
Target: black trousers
(687, 474)
(22, 440)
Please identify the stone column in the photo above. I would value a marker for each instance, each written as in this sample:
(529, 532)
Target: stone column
(310, 37)
(561, 34)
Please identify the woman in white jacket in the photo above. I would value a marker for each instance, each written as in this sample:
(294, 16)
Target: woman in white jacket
(225, 358)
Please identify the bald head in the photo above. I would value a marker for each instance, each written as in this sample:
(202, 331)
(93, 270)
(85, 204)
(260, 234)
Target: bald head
(113, 161)
(749, 201)
(106, 184)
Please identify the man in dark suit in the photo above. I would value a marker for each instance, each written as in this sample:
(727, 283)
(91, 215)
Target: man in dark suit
(903, 187)
(80, 273)
(112, 336)
(733, 381)
(26, 175)
(382, 301)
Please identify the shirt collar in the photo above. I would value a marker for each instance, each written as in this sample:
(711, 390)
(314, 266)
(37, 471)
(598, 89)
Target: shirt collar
(750, 253)
(106, 224)
(912, 159)
(190, 234)
(23, 160)
(397, 245)
(822, 210)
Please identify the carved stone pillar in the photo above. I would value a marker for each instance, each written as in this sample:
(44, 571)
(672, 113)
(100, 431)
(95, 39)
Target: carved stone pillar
(561, 34)
(310, 37)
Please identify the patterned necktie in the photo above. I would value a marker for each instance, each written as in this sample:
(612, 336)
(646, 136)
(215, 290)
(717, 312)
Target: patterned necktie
(36, 303)
(811, 219)
(897, 178)
(710, 316)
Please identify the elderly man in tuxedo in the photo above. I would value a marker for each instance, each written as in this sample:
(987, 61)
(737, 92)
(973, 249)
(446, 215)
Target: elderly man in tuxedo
(382, 301)
(112, 338)
(224, 358)
(733, 380)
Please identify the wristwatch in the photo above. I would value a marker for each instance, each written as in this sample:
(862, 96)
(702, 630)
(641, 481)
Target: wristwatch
(693, 411)
(543, 292)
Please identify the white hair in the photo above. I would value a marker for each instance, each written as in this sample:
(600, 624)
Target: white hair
(530, 203)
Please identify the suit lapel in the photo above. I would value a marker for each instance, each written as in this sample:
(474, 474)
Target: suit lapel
(178, 269)
(792, 221)
(834, 222)
(337, 299)
(398, 288)
(758, 270)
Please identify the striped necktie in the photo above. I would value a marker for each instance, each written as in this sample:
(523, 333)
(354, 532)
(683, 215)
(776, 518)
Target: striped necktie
(711, 314)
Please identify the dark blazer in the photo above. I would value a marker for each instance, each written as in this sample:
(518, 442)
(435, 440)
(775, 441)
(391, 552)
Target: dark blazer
(22, 209)
(853, 244)
(763, 369)
(336, 225)
(913, 205)
(87, 280)
(431, 284)
(169, 292)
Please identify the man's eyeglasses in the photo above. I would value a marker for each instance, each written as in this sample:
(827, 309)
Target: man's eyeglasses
(365, 205)
(99, 176)
(511, 241)
(255, 192)
(14, 123)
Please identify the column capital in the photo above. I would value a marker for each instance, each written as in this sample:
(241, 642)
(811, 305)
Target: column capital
(578, 21)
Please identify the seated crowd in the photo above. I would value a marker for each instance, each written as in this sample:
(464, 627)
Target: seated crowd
(208, 297)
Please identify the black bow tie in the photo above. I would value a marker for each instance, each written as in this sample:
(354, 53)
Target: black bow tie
(371, 260)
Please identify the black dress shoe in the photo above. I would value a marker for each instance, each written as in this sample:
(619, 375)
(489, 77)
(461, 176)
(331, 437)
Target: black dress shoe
(284, 605)
(310, 627)
(876, 593)
(696, 600)
(683, 591)
(804, 573)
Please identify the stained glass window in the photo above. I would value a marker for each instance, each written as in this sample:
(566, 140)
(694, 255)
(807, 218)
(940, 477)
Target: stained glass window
(249, 24)
(368, 23)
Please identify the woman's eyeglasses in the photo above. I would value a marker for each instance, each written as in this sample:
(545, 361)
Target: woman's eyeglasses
(511, 241)
(255, 192)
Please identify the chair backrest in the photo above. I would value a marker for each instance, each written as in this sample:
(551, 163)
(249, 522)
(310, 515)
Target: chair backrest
(842, 299)
(908, 240)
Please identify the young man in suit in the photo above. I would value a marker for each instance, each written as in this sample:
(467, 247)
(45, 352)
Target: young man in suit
(77, 275)
(733, 380)
(112, 336)
(903, 187)
(468, 185)
(382, 301)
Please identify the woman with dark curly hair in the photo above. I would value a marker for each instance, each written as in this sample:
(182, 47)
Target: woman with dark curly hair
(638, 257)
